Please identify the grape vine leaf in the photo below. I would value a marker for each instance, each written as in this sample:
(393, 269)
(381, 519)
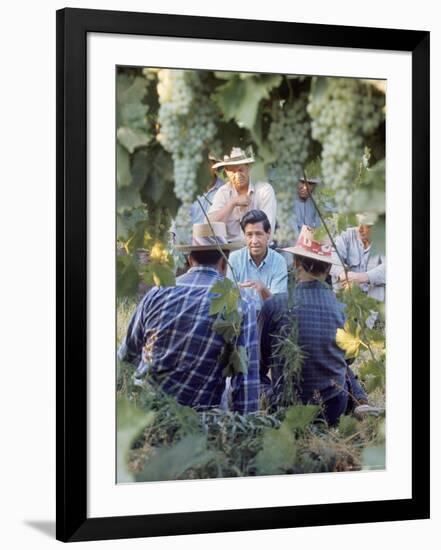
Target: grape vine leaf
(349, 342)
(132, 139)
(172, 462)
(373, 374)
(127, 277)
(278, 453)
(239, 98)
(130, 422)
(227, 297)
(299, 417)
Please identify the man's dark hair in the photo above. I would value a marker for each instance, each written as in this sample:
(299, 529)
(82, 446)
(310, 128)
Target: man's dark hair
(314, 267)
(256, 216)
(207, 257)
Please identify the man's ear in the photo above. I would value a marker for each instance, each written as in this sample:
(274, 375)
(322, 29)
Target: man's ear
(223, 264)
(190, 260)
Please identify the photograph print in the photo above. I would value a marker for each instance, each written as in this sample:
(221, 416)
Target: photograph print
(251, 274)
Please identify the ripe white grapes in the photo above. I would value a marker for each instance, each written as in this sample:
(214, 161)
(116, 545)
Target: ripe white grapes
(343, 114)
(289, 137)
(187, 126)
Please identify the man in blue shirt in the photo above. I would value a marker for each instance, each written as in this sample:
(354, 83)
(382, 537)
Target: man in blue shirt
(258, 267)
(206, 200)
(171, 337)
(304, 209)
(325, 377)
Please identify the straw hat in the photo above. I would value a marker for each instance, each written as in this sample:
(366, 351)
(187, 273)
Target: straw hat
(313, 180)
(310, 248)
(237, 156)
(209, 237)
(366, 218)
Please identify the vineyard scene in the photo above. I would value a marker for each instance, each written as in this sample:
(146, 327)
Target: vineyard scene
(250, 274)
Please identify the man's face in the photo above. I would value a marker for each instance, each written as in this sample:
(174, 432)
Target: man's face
(302, 189)
(239, 175)
(365, 232)
(257, 239)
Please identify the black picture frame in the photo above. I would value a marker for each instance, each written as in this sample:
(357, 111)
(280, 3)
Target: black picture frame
(73, 25)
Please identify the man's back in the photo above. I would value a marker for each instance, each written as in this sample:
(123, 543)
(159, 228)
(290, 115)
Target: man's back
(180, 349)
(318, 315)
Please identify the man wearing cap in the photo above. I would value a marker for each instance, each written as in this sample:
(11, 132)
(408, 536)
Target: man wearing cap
(325, 377)
(240, 194)
(256, 266)
(170, 336)
(201, 206)
(364, 268)
(304, 209)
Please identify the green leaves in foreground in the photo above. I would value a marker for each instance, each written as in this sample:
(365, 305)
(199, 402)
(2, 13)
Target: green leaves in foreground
(130, 422)
(227, 297)
(279, 452)
(172, 462)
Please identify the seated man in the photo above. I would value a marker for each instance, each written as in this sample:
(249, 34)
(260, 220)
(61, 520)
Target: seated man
(304, 209)
(365, 269)
(257, 266)
(203, 203)
(171, 336)
(325, 377)
(239, 195)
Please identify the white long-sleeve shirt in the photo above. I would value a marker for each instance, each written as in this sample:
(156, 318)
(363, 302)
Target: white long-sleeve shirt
(359, 259)
(262, 198)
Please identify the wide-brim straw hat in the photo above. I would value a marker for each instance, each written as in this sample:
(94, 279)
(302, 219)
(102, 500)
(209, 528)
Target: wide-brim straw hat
(237, 156)
(317, 250)
(209, 236)
(366, 218)
(314, 180)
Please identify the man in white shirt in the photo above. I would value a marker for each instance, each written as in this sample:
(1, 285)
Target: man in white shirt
(240, 195)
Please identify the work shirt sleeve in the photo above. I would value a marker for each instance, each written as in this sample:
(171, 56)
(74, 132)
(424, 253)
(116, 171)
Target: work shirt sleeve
(377, 275)
(279, 282)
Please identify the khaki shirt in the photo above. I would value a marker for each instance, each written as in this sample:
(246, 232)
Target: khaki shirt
(262, 198)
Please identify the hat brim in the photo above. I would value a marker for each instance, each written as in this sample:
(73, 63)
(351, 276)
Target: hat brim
(298, 251)
(232, 163)
(196, 248)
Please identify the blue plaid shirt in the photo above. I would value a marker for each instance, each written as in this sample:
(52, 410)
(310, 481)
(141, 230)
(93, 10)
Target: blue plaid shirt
(171, 336)
(318, 314)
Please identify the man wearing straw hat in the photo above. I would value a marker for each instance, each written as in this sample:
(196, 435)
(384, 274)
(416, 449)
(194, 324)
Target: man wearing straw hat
(325, 377)
(364, 268)
(304, 209)
(239, 195)
(171, 338)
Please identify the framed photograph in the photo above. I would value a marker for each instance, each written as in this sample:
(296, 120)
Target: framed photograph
(227, 192)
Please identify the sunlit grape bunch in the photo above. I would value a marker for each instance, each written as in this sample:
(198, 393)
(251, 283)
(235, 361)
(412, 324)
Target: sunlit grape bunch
(343, 114)
(187, 126)
(289, 137)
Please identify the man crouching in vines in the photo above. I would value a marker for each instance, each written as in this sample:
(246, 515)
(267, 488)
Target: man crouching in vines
(316, 313)
(171, 336)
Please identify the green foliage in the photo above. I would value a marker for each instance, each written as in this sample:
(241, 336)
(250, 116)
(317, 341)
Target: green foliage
(127, 277)
(174, 461)
(374, 458)
(278, 453)
(130, 422)
(348, 426)
(240, 96)
(226, 299)
(300, 417)
(373, 373)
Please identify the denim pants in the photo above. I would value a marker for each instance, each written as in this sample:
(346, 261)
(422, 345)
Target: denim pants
(346, 400)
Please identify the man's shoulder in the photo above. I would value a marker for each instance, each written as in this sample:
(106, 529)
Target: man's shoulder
(276, 257)
(263, 187)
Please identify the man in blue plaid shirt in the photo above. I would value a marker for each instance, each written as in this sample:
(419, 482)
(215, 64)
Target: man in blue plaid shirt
(326, 378)
(171, 336)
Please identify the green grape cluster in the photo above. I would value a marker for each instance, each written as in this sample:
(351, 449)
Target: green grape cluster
(343, 114)
(289, 137)
(187, 127)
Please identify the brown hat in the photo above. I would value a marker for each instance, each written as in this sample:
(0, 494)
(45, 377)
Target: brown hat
(209, 236)
(310, 248)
